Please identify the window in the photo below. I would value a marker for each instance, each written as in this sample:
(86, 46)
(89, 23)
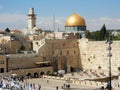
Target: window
(52, 52)
(60, 52)
(73, 28)
(44, 57)
(70, 28)
(1, 70)
(63, 44)
(67, 52)
(74, 52)
(2, 62)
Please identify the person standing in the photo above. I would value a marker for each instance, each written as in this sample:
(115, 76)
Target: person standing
(39, 87)
(57, 88)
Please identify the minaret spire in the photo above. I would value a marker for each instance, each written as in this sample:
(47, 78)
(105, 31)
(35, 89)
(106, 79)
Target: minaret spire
(54, 22)
(31, 19)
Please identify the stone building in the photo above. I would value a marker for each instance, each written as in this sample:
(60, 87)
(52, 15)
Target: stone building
(3, 64)
(62, 52)
(23, 64)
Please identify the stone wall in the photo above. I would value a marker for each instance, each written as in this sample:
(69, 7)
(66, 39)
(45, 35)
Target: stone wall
(32, 71)
(83, 83)
(64, 51)
(26, 63)
(20, 61)
(94, 55)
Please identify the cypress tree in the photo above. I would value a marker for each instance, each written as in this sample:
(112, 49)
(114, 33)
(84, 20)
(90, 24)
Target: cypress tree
(103, 32)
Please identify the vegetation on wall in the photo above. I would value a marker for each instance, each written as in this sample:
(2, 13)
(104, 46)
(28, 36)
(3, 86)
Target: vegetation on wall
(99, 67)
(118, 68)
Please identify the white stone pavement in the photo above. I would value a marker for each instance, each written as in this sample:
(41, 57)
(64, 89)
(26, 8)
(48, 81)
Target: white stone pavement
(52, 84)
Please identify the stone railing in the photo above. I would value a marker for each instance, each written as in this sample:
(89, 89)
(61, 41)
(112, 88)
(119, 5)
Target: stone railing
(79, 82)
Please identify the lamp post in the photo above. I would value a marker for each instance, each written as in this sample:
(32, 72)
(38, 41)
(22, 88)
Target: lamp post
(109, 41)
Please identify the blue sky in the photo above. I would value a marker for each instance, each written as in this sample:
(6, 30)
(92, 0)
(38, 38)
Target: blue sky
(95, 12)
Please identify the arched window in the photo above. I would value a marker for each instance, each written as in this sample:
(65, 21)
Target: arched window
(36, 75)
(42, 73)
(48, 73)
(22, 47)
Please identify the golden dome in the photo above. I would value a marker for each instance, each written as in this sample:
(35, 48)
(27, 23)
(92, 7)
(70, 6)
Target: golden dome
(75, 20)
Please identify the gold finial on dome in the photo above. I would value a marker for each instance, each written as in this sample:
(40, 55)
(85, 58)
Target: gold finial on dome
(75, 20)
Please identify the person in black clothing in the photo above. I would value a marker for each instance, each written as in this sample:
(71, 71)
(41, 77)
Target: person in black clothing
(39, 87)
(57, 88)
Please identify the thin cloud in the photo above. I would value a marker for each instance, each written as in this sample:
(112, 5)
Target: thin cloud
(12, 20)
(48, 23)
(19, 21)
(96, 24)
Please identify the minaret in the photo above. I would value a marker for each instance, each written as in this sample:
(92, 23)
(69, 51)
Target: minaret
(31, 19)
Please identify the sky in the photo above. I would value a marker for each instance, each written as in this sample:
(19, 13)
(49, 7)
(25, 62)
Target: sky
(13, 13)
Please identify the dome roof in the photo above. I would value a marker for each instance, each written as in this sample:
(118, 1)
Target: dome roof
(75, 20)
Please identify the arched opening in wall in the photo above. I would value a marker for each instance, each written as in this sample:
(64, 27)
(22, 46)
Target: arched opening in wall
(35, 75)
(1, 70)
(42, 73)
(48, 73)
(65, 65)
(22, 47)
(72, 69)
(28, 75)
(31, 46)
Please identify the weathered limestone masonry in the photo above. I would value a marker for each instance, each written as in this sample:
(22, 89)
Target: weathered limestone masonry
(26, 63)
(65, 52)
(94, 55)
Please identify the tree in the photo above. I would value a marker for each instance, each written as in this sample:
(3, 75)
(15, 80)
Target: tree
(99, 34)
(119, 68)
(22, 47)
(103, 32)
(87, 33)
(7, 30)
(94, 35)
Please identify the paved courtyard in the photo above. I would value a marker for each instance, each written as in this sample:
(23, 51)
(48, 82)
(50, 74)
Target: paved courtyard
(55, 83)
(51, 84)
(46, 84)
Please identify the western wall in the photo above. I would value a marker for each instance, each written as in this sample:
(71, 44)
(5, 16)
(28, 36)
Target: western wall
(94, 56)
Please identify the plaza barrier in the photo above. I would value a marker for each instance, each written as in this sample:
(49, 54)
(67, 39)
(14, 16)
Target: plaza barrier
(80, 82)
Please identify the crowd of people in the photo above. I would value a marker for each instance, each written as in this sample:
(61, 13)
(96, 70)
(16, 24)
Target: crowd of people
(19, 83)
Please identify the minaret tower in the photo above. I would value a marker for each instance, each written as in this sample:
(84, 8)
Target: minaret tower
(31, 19)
